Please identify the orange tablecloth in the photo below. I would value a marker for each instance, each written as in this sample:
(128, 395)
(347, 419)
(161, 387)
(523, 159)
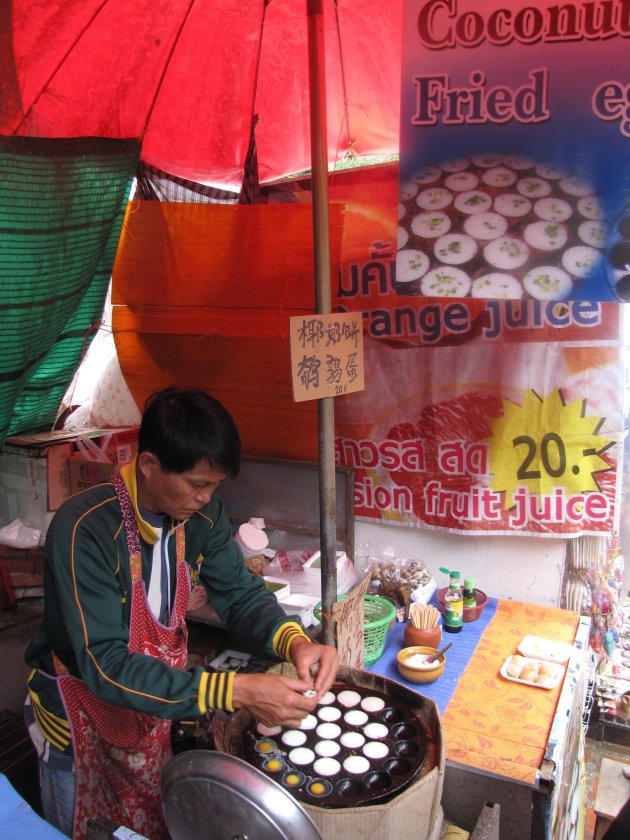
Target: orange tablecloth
(496, 725)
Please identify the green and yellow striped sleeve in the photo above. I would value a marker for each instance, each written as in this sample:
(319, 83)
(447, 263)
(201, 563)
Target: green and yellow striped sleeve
(215, 692)
(54, 728)
(283, 637)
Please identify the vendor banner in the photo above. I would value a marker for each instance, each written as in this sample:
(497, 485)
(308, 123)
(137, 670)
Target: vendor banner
(478, 416)
(523, 438)
(515, 150)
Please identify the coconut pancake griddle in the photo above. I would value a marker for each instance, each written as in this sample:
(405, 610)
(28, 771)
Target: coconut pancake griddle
(397, 732)
(210, 795)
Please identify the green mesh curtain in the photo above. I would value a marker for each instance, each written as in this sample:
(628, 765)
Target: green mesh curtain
(62, 204)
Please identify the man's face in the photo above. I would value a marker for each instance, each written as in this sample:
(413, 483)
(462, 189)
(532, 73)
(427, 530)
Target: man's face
(178, 495)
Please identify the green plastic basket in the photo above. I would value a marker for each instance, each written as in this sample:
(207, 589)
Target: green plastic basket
(378, 616)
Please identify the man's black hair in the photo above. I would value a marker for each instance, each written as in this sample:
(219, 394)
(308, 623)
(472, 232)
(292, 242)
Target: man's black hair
(183, 426)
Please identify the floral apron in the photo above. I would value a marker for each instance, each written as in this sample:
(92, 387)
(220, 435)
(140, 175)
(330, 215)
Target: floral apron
(119, 753)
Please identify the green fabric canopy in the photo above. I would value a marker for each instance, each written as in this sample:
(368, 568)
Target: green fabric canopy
(62, 203)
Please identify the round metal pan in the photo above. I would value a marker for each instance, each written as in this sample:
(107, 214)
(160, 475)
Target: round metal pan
(211, 795)
(406, 740)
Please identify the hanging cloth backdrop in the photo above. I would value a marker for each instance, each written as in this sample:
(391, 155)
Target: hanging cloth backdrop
(62, 204)
(202, 294)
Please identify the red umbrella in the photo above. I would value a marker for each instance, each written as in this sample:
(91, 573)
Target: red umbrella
(186, 77)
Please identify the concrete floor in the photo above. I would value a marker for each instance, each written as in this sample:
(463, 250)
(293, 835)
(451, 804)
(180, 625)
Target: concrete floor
(615, 745)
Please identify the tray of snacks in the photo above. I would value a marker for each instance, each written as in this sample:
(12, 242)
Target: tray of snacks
(537, 672)
(539, 648)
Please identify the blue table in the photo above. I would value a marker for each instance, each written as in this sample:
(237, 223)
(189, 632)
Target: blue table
(18, 820)
(464, 644)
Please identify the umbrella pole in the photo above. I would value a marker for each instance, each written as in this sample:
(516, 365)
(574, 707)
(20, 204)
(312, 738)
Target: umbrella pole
(321, 239)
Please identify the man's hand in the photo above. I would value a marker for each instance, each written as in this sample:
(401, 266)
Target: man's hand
(315, 663)
(273, 699)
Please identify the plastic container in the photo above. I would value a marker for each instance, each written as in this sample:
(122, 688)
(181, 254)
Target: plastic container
(378, 616)
(300, 605)
(470, 613)
(251, 540)
(279, 587)
(538, 648)
(538, 673)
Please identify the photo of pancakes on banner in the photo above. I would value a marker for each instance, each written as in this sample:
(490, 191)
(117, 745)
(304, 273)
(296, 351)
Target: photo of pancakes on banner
(505, 227)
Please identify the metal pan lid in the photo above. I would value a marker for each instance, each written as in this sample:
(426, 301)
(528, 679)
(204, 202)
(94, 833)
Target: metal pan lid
(210, 795)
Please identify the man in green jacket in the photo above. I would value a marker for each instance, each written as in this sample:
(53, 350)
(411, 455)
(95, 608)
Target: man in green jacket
(109, 660)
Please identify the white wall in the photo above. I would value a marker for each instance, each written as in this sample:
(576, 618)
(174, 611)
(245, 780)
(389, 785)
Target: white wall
(517, 568)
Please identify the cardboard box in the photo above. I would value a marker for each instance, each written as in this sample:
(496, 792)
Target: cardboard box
(35, 469)
(84, 474)
(24, 487)
(99, 458)
(413, 814)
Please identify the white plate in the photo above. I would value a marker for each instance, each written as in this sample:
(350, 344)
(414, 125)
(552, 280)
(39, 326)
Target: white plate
(552, 683)
(539, 648)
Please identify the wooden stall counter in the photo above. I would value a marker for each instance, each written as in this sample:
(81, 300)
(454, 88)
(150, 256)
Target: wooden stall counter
(506, 741)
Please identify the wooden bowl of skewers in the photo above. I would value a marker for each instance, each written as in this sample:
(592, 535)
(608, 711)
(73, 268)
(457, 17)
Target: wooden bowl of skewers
(423, 627)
